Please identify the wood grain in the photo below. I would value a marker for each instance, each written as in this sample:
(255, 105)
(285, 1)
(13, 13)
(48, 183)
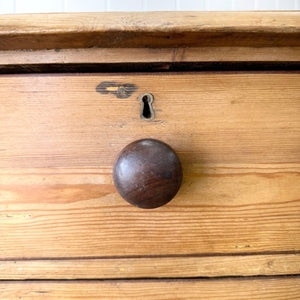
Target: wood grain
(152, 267)
(236, 134)
(78, 213)
(61, 121)
(148, 29)
(278, 288)
(149, 55)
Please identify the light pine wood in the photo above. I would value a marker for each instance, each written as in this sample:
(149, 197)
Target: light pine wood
(273, 289)
(148, 29)
(152, 267)
(237, 135)
(77, 213)
(148, 55)
(61, 121)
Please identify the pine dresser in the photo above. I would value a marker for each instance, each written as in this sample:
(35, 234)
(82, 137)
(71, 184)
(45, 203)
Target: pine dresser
(222, 89)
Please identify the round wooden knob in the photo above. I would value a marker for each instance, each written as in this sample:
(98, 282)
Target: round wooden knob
(147, 173)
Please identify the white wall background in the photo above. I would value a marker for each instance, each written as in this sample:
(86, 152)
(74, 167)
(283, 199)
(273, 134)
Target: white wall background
(38, 6)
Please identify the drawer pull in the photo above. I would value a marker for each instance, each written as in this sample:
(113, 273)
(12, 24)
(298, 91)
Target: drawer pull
(147, 173)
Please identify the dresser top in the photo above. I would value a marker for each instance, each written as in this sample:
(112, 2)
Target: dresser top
(149, 30)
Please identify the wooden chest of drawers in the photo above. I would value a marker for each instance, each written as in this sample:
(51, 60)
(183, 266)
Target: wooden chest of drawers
(226, 91)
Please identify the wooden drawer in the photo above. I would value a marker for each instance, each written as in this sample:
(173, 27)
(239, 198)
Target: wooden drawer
(237, 213)
(237, 135)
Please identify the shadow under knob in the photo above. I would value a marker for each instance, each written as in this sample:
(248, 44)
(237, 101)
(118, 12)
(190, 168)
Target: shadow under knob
(147, 173)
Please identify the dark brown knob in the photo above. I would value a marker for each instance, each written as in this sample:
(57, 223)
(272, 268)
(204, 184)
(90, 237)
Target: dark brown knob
(147, 173)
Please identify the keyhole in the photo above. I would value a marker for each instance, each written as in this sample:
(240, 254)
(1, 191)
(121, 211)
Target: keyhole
(147, 112)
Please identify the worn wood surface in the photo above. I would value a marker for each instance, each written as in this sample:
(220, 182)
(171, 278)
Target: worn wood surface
(265, 288)
(62, 121)
(149, 55)
(149, 59)
(237, 135)
(77, 213)
(148, 29)
(152, 267)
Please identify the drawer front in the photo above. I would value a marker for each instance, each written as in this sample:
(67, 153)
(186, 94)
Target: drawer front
(233, 289)
(237, 135)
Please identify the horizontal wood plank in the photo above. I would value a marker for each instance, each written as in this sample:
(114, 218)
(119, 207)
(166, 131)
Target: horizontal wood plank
(148, 29)
(152, 267)
(62, 121)
(149, 55)
(274, 288)
(78, 213)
